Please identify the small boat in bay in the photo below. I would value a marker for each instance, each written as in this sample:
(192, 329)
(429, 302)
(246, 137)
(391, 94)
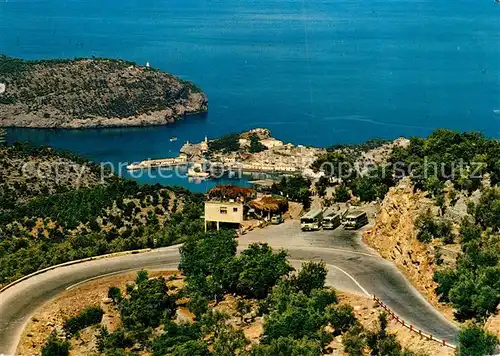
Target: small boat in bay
(193, 173)
(198, 171)
(173, 139)
(496, 112)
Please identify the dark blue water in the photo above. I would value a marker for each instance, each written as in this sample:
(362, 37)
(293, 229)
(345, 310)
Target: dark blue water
(314, 72)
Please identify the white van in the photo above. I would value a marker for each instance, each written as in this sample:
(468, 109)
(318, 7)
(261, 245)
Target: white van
(277, 219)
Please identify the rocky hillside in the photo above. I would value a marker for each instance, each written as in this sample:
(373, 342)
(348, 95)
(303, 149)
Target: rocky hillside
(394, 236)
(84, 93)
(70, 303)
(406, 215)
(257, 307)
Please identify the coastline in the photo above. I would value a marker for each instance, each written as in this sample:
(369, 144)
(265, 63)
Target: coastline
(93, 93)
(144, 120)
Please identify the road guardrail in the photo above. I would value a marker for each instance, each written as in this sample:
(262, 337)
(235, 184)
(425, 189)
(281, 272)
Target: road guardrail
(407, 325)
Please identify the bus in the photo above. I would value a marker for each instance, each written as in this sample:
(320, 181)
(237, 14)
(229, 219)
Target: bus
(312, 220)
(355, 219)
(331, 221)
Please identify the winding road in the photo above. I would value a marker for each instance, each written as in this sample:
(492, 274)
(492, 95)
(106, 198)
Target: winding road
(352, 267)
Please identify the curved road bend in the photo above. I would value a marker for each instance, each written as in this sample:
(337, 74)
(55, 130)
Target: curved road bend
(344, 250)
(352, 267)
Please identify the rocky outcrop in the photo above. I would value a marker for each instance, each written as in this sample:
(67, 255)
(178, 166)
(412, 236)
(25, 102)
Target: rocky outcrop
(394, 236)
(86, 93)
(492, 325)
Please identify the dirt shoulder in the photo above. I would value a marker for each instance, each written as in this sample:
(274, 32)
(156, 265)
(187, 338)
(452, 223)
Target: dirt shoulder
(69, 303)
(367, 313)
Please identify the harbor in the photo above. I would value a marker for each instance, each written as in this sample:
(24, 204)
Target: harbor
(159, 163)
(273, 157)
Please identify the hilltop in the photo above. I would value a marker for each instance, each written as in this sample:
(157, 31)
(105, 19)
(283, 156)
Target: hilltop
(28, 172)
(95, 92)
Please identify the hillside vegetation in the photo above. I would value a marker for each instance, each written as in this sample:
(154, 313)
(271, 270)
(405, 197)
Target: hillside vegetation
(96, 92)
(439, 220)
(465, 161)
(71, 213)
(251, 304)
(28, 172)
(441, 225)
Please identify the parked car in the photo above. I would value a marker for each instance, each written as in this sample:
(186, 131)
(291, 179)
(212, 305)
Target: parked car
(276, 219)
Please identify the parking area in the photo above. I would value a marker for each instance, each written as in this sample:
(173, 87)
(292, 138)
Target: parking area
(289, 234)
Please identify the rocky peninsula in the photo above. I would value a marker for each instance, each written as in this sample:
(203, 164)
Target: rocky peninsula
(92, 92)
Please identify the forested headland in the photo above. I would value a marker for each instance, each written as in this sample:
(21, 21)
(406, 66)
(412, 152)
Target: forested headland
(92, 92)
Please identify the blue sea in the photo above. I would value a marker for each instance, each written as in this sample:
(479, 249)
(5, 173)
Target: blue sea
(314, 72)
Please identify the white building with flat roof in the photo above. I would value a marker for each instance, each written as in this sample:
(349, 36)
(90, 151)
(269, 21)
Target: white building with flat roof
(217, 212)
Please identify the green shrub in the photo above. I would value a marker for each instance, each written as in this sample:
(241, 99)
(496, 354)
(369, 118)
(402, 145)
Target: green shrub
(205, 255)
(474, 341)
(55, 346)
(87, 317)
(116, 294)
(116, 340)
(142, 276)
(191, 348)
(227, 143)
(175, 334)
(354, 341)
(446, 279)
(148, 305)
(321, 298)
(288, 346)
(260, 269)
(255, 144)
(311, 276)
(427, 228)
(487, 212)
(381, 342)
(341, 194)
(229, 342)
(198, 304)
(341, 317)
(294, 189)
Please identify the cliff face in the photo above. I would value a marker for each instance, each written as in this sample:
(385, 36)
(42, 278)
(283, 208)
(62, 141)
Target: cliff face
(84, 93)
(394, 237)
(492, 325)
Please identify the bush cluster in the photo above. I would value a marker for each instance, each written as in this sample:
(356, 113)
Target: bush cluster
(87, 317)
(473, 286)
